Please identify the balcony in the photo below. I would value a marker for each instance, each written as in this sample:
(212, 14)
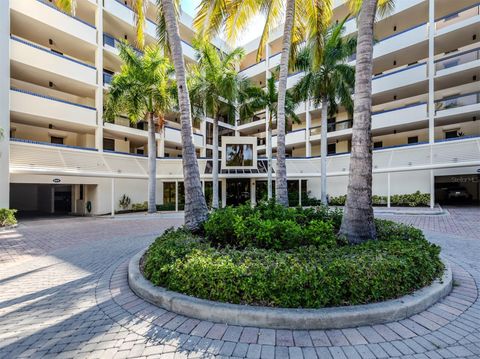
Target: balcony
(401, 40)
(397, 117)
(111, 43)
(189, 51)
(458, 106)
(457, 20)
(126, 14)
(406, 76)
(46, 13)
(38, 106)
(174, 135)
(27, 53)
(332, 127)
(254, 69)
(292, 138)
(454, 63)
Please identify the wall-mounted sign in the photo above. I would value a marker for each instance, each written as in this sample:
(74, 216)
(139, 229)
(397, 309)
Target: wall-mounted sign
(57, 180)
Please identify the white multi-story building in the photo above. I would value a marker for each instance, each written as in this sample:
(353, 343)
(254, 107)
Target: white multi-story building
(58, 155)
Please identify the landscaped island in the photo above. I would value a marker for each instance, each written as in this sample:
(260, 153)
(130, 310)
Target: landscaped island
(291, 258)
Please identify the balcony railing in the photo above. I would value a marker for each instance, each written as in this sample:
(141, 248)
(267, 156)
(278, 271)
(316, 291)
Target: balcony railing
(52, 98)
(107, 78)
(458, 16)
(254, 118)
(457, 101)
(50, 51)
(459, 59)
(113, 42)
(13, 139)
(332, 127)
(45, 2)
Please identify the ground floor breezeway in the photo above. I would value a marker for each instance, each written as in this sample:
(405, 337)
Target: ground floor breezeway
(79, 195)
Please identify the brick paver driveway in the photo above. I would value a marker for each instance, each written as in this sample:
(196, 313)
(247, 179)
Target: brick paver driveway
(63, 293)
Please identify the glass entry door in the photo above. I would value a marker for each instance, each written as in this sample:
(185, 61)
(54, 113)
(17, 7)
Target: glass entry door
(238, 191)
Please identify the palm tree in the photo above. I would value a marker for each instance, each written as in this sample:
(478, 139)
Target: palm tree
(196, 210)
(214, 88)
(328, 80)
(299, 17)
(69, 6)
(357, 223)
(143, 90)
(256, 99)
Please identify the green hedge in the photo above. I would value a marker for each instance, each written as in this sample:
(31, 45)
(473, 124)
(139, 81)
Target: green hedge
(7, 217)
(274, 256)
(270, 225)
(416, 199)
(305, 277)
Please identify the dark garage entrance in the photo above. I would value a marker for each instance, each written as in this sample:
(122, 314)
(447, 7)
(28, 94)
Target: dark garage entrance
(458, 189)
(38, 200)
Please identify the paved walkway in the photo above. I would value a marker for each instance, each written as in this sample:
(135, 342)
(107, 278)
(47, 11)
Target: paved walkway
(63, 293)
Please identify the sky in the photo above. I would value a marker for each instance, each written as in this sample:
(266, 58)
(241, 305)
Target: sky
(250, 33)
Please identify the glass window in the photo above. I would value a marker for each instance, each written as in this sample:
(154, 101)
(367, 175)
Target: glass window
(109, 144)
(56, 140)
(239, 155)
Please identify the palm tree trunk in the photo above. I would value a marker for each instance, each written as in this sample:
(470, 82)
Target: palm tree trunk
(281, 174)
(196, 210)
(323, 149)
(357, 224)
(269, 159)
(152, 165)
(215, 164)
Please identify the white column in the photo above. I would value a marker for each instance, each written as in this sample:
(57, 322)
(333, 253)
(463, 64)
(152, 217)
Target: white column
(161, 145)
(432, 189)
(431, 72)
(224, 192)
(389, 194)
(112, 203)
(300, 192)
(5, 103)
(99, 67)
(253, 194)
(203, 130)
(308, 116)
(176, 196)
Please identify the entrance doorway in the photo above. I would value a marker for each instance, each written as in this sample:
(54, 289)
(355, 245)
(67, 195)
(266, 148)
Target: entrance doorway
(38, 199)
(238, 191)
(62, 199)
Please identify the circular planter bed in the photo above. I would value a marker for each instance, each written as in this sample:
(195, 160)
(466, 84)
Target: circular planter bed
(287, 268)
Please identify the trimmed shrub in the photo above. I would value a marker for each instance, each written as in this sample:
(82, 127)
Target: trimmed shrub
(7, 217)
(272, 226)
(308, 276)
(416, 199)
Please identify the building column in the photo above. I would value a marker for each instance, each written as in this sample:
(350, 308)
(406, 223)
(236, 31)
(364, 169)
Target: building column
(389, 194)
(253, 193)
(432, 189)
(5, 104)
(431, 72)
(203, 130)
(224, 192)
(308, 116)
(176, 196)
(300, 192)
(99, 67)
(112, 203)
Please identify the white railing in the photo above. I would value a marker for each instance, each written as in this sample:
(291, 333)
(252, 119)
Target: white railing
(45, 159)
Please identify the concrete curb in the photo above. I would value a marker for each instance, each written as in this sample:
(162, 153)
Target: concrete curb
(8, 228)
(283, 318)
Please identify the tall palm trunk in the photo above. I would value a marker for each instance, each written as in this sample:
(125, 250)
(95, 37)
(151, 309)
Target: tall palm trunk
(269, 158)
(357, 224)
(196, 210)
(323, 149)
(152, 165)
(281, 175)
(215, 164)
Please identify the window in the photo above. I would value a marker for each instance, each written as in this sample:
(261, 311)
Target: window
(332, 148)
(378, 144)
(413, 139)
(109, 144)
(140, 151)
(239, 155)
(451, 134)
(56, 140)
